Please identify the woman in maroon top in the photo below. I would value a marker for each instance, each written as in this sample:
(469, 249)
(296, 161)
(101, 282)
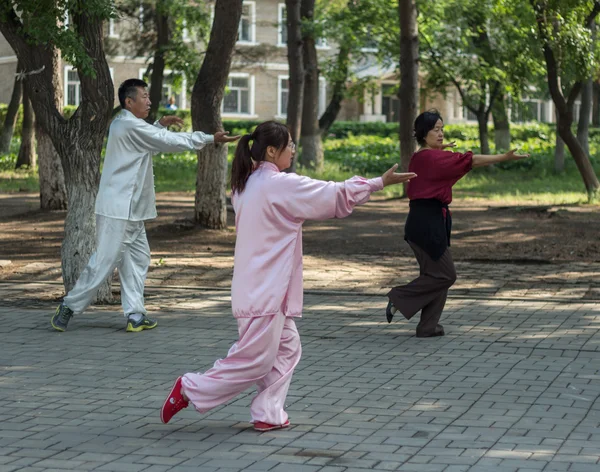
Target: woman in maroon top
(429, 222)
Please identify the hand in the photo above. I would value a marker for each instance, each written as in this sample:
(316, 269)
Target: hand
(169, 120)
(391, 177)
(221, 137)
(449, 145)
(513, 156)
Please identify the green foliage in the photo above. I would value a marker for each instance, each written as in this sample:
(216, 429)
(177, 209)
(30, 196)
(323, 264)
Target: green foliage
(67, 113)
(43, 22)
(367, 154)
(533, 179)
(189, 27)
(367, 30)
(567, 34)
(475, 46)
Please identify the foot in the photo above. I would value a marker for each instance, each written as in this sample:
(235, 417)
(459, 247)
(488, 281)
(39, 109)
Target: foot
(174, 402)
(390, 311)
(142, 324)
(260, 426)
(61, 317)
(439, 331)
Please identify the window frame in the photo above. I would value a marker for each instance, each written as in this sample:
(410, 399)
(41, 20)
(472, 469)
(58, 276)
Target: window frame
(69, 68)
(252, 40)
(281, 113)
(280, 25)
(251, 93)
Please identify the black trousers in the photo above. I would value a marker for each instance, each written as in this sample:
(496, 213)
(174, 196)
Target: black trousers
(428, 292)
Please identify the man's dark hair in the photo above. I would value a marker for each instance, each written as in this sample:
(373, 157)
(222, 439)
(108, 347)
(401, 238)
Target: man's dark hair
(129, 89)
(424, 123)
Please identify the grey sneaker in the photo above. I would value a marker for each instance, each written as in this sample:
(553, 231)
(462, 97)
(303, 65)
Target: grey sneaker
(61, 318)
(137, 326)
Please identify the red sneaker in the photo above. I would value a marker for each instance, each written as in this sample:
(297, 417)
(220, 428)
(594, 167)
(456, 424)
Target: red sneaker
(260, 426)
(174, 403)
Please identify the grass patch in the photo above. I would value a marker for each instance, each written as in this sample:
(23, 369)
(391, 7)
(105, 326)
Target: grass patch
(528, 181)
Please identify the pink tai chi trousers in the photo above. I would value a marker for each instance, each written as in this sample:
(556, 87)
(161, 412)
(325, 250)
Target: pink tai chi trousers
(265, 355)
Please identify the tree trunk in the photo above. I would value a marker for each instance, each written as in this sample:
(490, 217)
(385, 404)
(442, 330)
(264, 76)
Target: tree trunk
(409, 80)
(296, 68)
(53, 193)
(564, 107)
(210, 203)
(596, 105)
(26, 156)
(158, 63)
(11, 115)
(338, 90)
(79, 139)
(501, 125)
(559, 155)
(581, 158)
(583, 126)
(310, 139)
(482, 123)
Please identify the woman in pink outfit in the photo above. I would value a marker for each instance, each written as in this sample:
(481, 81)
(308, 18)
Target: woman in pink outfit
(266, 291)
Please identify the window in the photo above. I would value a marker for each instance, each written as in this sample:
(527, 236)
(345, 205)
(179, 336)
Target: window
(370, 42)
(185, 34)
(469, 115)
(529, 109)
(246, 31)
(171, 95)
(283, 97)
(112, 31)
(284, 94)
(321, 43)
(322, 95)
(141, 17)
(282, 39)
(72, 87)
(390, 103)
(239, 99)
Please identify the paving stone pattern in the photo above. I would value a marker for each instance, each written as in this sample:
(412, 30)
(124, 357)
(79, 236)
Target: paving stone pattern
(514, 386)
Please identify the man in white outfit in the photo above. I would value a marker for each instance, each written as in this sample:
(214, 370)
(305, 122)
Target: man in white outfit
(125, 200)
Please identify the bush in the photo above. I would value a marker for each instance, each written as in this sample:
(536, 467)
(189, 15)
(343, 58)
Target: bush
(373, 154)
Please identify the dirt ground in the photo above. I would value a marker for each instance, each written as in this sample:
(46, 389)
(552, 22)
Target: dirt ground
(483, 231)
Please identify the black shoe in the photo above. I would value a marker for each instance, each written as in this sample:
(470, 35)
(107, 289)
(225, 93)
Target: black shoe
(61, 318)
(137, 326)
(439, 331)
(389, 311)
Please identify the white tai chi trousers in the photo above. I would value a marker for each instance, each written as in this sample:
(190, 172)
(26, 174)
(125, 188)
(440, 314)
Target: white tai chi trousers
(265, 355)
(120, 244)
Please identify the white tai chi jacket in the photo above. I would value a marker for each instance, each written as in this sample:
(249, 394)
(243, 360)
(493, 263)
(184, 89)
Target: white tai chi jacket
(127, 184)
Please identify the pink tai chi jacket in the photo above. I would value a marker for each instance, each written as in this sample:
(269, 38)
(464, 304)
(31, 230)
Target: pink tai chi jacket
(269, 213)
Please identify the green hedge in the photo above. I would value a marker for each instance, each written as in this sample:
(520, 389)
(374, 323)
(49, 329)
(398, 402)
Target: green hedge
(344, 129)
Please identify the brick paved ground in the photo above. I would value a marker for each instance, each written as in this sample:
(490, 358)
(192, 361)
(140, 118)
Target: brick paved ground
(364, 274)
(514, 386)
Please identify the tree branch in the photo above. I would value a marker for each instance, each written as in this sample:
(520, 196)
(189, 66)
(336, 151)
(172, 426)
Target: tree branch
(551, 65)
(589, 21)
(449, 76)
(573, 94)
(493, 96)
(11, 28)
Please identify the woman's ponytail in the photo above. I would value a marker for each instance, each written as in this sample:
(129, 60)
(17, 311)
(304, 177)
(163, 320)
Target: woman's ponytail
(269, 133)
(242, 165)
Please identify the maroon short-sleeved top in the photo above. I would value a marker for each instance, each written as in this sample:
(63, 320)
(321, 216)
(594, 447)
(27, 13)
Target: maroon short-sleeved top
(437, 171)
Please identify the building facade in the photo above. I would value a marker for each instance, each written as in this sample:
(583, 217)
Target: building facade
(258, 81)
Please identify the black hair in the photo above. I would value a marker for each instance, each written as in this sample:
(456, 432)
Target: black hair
(424, 123)
(269, 133)
(128, 89)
